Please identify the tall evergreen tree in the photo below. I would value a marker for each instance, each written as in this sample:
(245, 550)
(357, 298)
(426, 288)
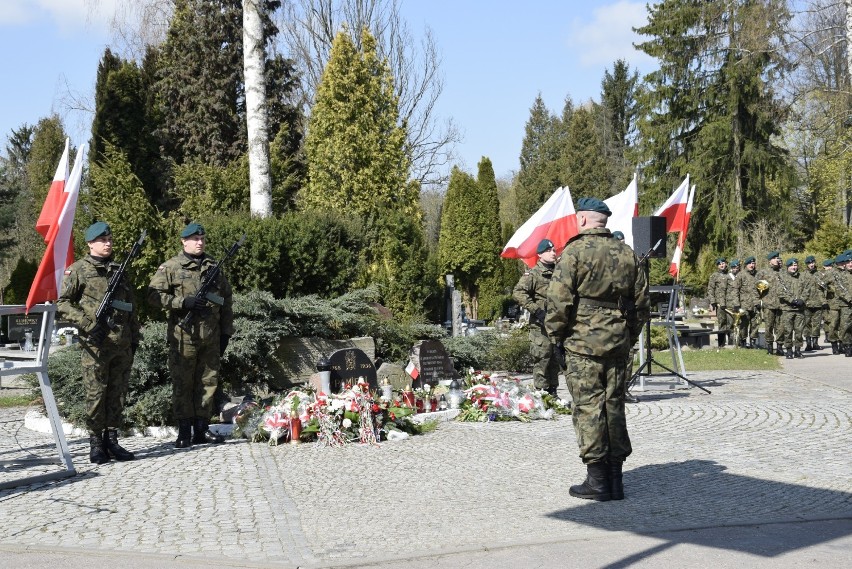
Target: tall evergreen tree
(711, 111)
(540, 172)
(585, 171)
(617, 121)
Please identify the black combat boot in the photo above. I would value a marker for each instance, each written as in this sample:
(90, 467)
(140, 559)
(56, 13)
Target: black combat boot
(815, 343)
(779, 350)
(720, 340)
(834, 348)
(808, 347)
(848, 350)
(114, 449)
(184, 438)
(769, 348)
(596, 486)
(789, 354)
(797, 353)
(202, 434)
(616, 483)
(97, 455)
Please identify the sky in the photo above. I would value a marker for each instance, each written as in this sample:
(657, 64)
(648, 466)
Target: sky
(497, 56)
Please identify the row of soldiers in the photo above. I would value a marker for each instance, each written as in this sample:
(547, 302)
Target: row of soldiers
(791, 304)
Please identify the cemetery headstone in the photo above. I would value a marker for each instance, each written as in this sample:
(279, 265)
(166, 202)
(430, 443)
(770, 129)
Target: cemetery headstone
(434, 365)
(348, 365)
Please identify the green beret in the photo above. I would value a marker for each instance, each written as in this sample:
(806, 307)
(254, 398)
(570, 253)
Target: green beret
(810, 259)
(96, 230)
(842, 258)
(192, 229)
(749, 260)
(848, 252)
(735, 262)
(593, 204)
(791, 261)
(828, 262)
(543, 246)
(772, 255)
(618, 235)
(721, 260)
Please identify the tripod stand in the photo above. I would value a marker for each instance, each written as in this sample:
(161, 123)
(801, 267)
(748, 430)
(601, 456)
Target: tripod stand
(671, 333)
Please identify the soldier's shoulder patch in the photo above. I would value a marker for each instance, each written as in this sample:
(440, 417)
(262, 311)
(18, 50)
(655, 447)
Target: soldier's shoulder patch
(67, 272)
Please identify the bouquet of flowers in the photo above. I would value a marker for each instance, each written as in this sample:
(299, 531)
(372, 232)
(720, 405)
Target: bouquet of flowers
(506, 399)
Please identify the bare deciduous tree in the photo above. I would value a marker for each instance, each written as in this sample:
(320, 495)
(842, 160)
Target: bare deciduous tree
(308, 30)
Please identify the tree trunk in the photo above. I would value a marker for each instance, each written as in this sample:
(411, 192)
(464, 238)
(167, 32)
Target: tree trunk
(254, 58)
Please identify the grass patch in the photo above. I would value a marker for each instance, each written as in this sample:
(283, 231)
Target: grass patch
(7, 401)
(712, 360)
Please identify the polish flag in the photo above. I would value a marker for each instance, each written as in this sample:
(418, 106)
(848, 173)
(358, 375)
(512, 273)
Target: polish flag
(412, 370)
(555, 220)
(624, 207)
(60, 245)
(55, 196)
(674, 268)
(674, 210)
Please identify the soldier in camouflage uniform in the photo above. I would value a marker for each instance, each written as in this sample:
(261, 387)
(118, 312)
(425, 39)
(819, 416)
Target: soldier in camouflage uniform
(597, 302)
(107, 353)
(734, 311)
(843, 287)
(792, 294)
(717, 294)
(194, 355)
(771, 305)
(813, 304)
(531, 294)
(748, 301)
(825, 279)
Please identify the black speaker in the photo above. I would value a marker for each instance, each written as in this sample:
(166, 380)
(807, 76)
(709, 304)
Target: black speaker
(646, 232)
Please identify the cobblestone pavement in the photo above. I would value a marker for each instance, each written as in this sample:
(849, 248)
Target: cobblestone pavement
(762, 448)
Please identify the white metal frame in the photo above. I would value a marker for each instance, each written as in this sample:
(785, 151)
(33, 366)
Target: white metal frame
(670, 325)
(39, 367)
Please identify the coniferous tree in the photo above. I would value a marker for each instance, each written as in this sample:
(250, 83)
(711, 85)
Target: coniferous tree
(585, 170)
(710, 111)
(540, 172)
(617, 121)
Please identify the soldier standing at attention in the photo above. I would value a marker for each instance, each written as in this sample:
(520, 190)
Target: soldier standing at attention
(597, 303)
(825, 278)
(107, 353)
(717, 294)
(771, 305)
(734, 310)
(813, 304)
(194, 354)
(531, 294)
(794, 289)
(748, 301)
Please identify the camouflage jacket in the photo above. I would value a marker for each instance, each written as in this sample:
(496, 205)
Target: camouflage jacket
(531, 290)
(746, 293)
(83, 289)
(816, 294)
(598, 298)
(770, 299)
(731, 297)
(179, 278)
(717, 288)
(793, 287)
(841, 289)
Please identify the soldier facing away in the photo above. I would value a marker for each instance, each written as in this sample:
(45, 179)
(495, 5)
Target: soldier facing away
(107, 353)
(597, 302)
(194, 354)
(531, 294)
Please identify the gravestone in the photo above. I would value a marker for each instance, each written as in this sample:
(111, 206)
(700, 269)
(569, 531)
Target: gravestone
(348, 365)
(20, 324)
(432, 361)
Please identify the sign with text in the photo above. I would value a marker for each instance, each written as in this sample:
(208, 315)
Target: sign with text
(348, 365)
(435, 365)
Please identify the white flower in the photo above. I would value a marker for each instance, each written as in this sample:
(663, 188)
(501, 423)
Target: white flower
(426, 387)
(336, 404)
(347, 423)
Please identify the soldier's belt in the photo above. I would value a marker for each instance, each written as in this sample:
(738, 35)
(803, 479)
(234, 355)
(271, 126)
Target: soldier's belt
(599, 303)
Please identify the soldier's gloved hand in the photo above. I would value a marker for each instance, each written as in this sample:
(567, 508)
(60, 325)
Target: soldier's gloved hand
(224, 339)
(192, 303)
(714, 306)
(737, 309)
(97, 335)
(798, 302)
(539, 315)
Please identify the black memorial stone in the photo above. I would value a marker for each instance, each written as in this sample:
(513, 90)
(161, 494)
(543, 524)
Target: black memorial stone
(20, 324)
(435, 365)
(348, 365)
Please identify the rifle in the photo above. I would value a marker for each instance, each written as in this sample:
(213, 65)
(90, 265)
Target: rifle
(203, 296)
(104, 315)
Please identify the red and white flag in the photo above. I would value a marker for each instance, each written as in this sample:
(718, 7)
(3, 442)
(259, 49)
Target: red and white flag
(55, 196)
(624, 207)
(412, 370)
(555, 220)
(674, 210)
(60, 245)
(674, 268)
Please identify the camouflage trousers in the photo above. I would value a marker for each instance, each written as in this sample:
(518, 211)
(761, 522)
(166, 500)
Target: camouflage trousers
(813, 320)
(832, 324)
(106, 376)
(545, 365)
(773, 325)
(793, 325)
(195, 377)
(844, 328)
(598, 386)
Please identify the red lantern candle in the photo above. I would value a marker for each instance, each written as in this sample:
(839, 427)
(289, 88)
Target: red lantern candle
(408, 397)
(295, 429)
